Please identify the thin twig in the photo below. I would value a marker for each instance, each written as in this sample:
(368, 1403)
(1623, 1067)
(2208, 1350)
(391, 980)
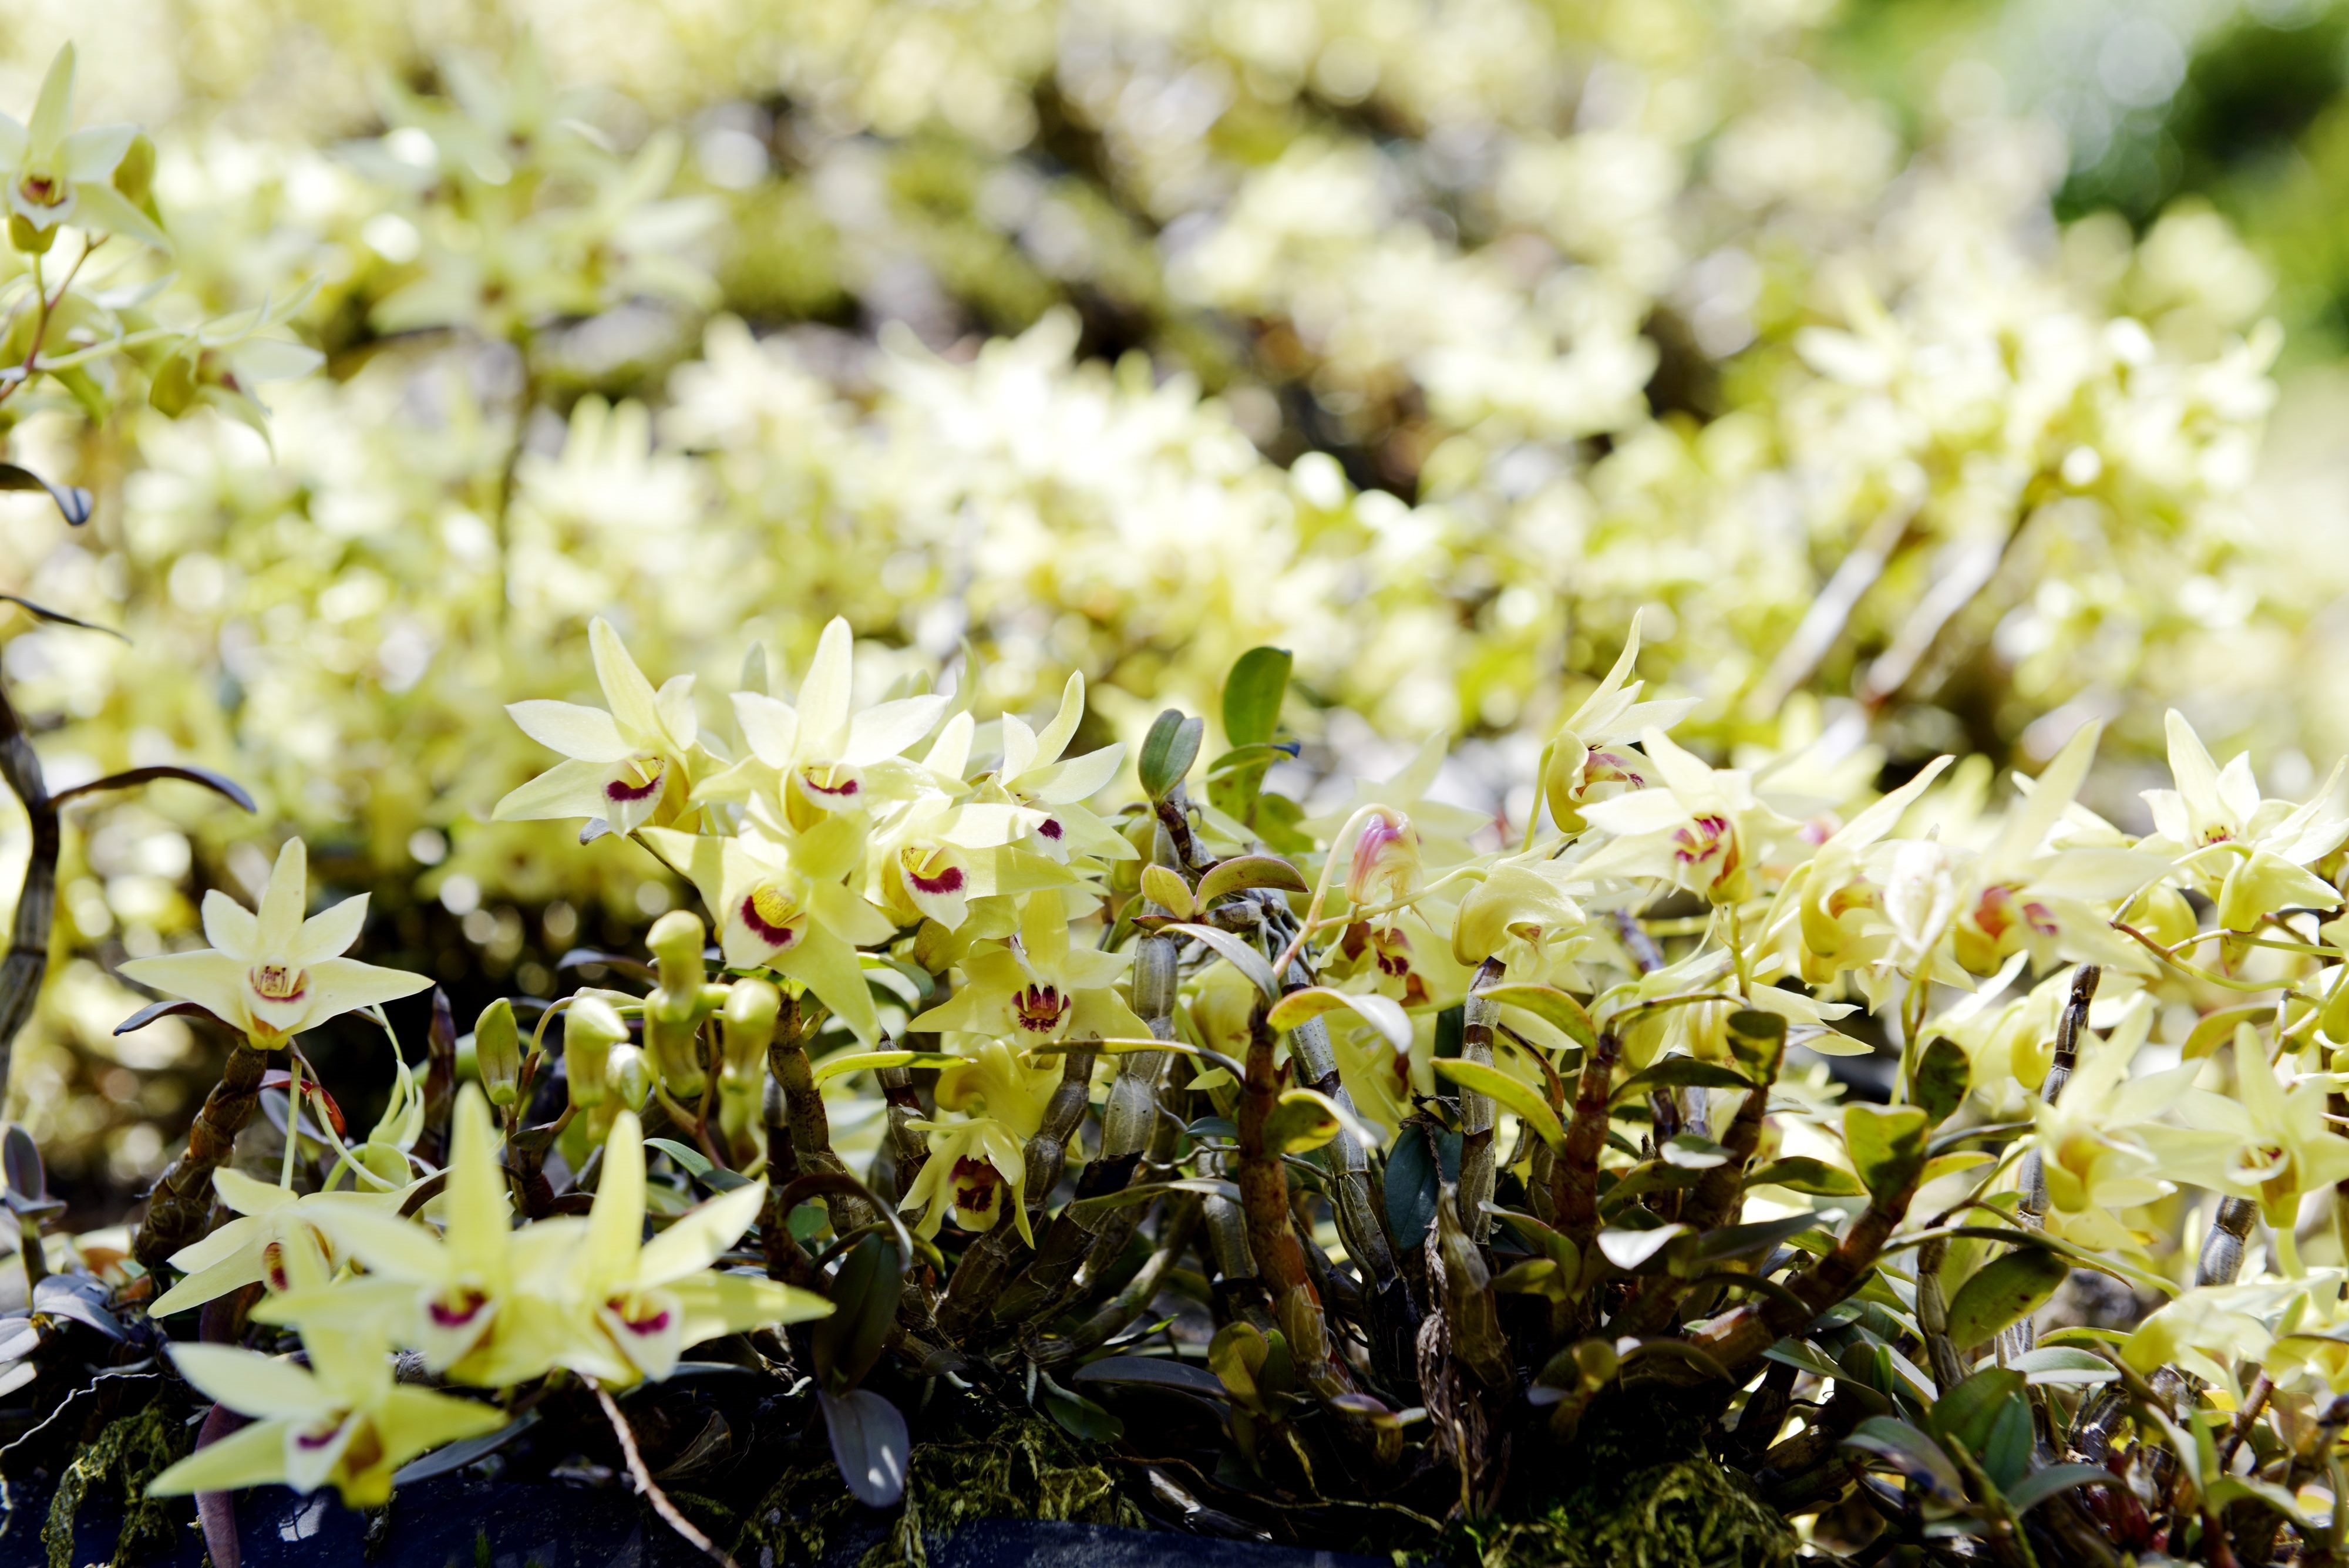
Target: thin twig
(647, 1487)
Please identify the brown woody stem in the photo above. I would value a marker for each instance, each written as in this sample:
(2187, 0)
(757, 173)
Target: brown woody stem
(178, 1209)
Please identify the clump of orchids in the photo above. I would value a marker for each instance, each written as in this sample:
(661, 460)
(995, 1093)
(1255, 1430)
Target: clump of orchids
(1380, 1155)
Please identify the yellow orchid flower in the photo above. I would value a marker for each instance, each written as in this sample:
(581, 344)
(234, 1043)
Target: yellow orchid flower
(2266, 1142)
(628, 767)
(1037, 987)
(59, 176)
(636, 1306)
(783, 906)
(978, 1166)
(1703, 829)
(342, 1420)
(1582, 756)
(814, 758)
(253, 1246)
(457, 1298)
(2251, 855)
(272, 973)
(1033, 776)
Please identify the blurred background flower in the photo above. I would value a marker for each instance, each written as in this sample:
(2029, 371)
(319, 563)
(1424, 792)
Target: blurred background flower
(1933, 376)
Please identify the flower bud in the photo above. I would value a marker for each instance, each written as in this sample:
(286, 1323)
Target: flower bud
(497, 1051)
(2162, 913)
(1386, 868)
(629, 1074)
(590, 1029)
(676, 941)
(747, 1021)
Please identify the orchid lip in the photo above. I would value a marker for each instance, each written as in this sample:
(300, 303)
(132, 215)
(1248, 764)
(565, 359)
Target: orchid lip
(948, 880)
(771, 918)
(1051, 828)
(277, 981)
(618, 790)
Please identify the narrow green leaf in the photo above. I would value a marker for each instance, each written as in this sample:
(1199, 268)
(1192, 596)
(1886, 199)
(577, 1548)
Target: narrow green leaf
(2040, 1485)
(1551, 1006)
(1235, 951)
(1964, 1415)
(1382, 1013)
(1912, 1453)
(1681, 1073)
(1498, 1085)
(1801, 1173)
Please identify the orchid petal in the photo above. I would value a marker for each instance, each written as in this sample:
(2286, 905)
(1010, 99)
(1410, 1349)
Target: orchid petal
(573, 729)
(330, 932)
(249, 1384)
(699, 1236)
(826, 693)
(229, 927)
(635, 705)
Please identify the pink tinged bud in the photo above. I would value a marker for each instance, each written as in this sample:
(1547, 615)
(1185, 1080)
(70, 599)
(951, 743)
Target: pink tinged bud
(1386, 868)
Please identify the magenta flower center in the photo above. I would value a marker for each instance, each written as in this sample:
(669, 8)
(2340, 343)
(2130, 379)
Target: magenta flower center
(278, 983)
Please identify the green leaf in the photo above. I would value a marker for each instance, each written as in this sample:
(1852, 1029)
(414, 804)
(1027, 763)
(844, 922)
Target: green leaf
(1691, 1151)
(1244, 871)
(1168, 752)
(2064, 1365)
(1965, 1414)
(864, 1301)
(1801, 1173)
(1943, 1076)
(1912, 1453)
(2006, 1455)
(1301, 1122)
(1551, 1006)
(1143, 1191)
(1757, 1039)
(2040, 1485)
(1742, 1240)
(1887, 1144)
(2003, 1293)
(1169, 892)
(1235, 951)
(1252, 695)
(847, 1062)
(1681, 1073)
(1498, 1085)
(1152, 1372)
(1382, 1013)
(1641, 1252)
(1800, 1355)
(1413, 1179)
(692, 1160)
(868, 1443)
(1079, 1415)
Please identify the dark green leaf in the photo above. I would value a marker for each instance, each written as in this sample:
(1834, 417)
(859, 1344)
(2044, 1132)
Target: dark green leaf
(1912, 1453)
(20, 1165)
(868, 1443)
(73, 503)
(2064, 1364)
(865, 1306)
(60, 618)
(1943, 1076)
(1744, 1240)
(1152, 1372)
(1252, 695)
(1965, 1414)
(1801, 1173)
(1412, 1180)
(2007, 1454)
(1079, 1415)
(2040, 1485)
(457, 1456)
(2004, 1292)
(1803, 1357)
(1682, 1073)
(1168, 752)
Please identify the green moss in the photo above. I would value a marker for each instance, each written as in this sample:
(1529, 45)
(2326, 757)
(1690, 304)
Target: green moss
(1674, 1515)
(1025, 1468)
(128, 1453)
